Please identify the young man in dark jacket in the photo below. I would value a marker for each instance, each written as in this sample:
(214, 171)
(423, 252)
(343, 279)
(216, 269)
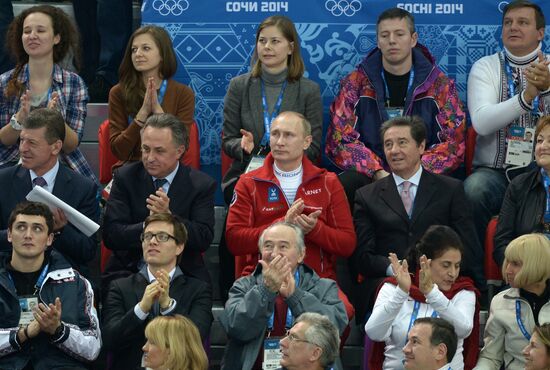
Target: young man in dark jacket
(47, 308)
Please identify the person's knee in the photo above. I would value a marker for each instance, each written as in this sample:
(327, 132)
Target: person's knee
(481, 186)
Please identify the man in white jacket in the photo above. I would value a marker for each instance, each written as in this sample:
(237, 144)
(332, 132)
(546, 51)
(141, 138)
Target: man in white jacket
(507, 92)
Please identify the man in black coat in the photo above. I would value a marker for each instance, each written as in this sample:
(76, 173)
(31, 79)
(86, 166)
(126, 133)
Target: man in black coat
(392, 214)
(159, 183)
(159, 288)
(41, 141)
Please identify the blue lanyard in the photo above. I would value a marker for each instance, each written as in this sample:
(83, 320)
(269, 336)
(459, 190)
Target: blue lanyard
(162, 91)
(387, 90)
(546, 182)
(268, 119)
(289, 319)
(49, 89)
(520, 323)
(512, 88)
(40, 280)
(414, 315)
(160, 97)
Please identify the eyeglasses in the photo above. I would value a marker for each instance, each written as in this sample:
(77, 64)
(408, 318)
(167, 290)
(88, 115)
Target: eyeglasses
(293, 338)
(161, 237)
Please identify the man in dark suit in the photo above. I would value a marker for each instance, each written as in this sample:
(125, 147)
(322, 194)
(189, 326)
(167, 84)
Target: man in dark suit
(42, 137)
(158, 184)
(393, 213)
(158, 289)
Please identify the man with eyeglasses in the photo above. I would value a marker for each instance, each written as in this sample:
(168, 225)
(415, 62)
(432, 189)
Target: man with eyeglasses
(159, 288)
(263, 306)
(47, 314)
(312, 344)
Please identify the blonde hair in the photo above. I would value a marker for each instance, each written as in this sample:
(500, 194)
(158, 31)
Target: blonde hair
(180, 334)
(533, 251)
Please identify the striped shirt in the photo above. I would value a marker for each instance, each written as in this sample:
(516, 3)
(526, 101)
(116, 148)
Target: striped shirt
(73, 97)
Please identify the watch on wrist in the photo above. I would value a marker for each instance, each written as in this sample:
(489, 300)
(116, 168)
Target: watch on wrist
(15, 124)
(58, 331)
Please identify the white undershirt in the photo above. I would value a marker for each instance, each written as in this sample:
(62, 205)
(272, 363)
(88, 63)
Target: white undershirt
(289, 180)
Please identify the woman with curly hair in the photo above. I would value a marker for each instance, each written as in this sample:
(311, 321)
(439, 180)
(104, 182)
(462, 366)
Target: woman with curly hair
(38, 39)
(173, 343)
(146, 87)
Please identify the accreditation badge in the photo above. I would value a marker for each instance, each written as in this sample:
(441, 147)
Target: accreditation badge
(394, 112)
(27, 305)
(257, 161)
(519, 151)
(272, 354)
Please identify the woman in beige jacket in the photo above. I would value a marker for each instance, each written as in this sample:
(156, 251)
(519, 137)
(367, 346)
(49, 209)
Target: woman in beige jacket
(516, 311)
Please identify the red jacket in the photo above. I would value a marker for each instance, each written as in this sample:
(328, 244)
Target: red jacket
(259, 201)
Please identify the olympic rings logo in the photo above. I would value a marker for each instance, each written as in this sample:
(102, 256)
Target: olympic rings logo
(167, 7)
(346, 7)
(501, 6)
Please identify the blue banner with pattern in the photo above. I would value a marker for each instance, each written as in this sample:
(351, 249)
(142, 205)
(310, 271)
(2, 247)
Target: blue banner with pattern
(214, 40)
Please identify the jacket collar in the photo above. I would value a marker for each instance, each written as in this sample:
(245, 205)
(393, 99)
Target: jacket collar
(143, 272)
(424, 66)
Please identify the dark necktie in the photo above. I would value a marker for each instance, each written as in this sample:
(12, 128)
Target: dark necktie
(39, 181)
(159, 183)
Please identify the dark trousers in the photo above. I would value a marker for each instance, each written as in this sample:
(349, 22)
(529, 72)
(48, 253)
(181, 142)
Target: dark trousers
(6, 16)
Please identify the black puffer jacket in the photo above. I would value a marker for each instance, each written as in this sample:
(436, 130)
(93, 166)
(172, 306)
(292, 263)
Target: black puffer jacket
(522, 211)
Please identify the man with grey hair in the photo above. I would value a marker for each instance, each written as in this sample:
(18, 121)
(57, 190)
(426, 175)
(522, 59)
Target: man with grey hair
(158, 184)
(262, 306)
(312, 344)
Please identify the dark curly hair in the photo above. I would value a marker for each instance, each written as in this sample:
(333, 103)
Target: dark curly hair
(437, 240)
(69, 40)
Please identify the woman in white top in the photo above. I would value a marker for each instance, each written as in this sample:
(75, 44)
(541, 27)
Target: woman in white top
(516, 311)
(435, 290)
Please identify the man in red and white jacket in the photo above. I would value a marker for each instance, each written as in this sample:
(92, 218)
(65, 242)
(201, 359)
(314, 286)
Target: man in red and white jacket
(289, 187)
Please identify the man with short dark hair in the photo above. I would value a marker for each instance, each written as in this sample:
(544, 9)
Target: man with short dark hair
(431, 345)
(507, 92)
(47, 307)
(159, 184)
(392, 214)
(159, 288)
(398, 78)
(41, 141)
(312, 343)
(263, 305)
(289, 186)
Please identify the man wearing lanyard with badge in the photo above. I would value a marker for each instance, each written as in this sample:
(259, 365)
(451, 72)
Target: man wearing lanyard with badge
(507, 93)
(398, 78)
(47, 308)
(432, 343)
(262, 306)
